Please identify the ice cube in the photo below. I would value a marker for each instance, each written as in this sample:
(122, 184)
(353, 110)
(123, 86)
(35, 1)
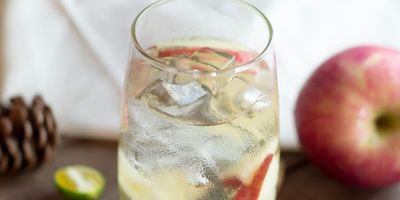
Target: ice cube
(179, 62)
(208, 59)
(220, 148)
(261, 103)
(237, 96)
(184, 102)
(245, 95)
(184, 94)
(202, 60)
(253, 98)
(233, 86)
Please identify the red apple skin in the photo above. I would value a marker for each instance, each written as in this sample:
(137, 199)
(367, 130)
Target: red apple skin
(336, 116)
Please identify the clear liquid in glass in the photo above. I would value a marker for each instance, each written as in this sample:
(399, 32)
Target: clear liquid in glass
(189, 138)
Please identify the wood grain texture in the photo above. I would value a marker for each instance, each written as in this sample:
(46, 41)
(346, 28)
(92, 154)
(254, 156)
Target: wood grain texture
(302, 180)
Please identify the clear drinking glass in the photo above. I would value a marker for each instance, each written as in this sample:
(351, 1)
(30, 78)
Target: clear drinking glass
(200, 107)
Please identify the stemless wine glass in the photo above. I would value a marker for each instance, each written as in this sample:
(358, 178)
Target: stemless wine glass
(200, 107)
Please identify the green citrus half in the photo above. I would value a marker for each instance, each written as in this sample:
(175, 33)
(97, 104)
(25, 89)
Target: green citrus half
(79, 182)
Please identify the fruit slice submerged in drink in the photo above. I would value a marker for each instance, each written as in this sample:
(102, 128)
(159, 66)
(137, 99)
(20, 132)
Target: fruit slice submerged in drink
(240, 57)
(252, 191)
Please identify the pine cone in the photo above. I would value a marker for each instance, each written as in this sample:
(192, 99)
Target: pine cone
(28, 134)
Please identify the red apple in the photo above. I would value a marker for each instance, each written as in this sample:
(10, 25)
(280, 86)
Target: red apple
(348, 117)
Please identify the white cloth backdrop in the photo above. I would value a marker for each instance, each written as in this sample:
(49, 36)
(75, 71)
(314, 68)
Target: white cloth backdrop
(75, 52)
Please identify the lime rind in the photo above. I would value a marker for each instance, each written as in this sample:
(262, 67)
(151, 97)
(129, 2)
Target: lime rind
(79, 182)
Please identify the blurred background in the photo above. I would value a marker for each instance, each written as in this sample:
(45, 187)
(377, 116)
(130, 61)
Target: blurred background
(75, 52)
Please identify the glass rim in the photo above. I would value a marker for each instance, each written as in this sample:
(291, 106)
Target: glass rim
(196, 73)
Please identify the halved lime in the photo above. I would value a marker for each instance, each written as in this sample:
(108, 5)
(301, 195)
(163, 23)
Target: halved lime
(79, 182)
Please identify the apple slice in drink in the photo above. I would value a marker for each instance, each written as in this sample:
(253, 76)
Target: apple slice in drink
(252, 190)
(241, 57)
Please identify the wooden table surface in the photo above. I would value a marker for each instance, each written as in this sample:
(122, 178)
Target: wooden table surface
(302, 180)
